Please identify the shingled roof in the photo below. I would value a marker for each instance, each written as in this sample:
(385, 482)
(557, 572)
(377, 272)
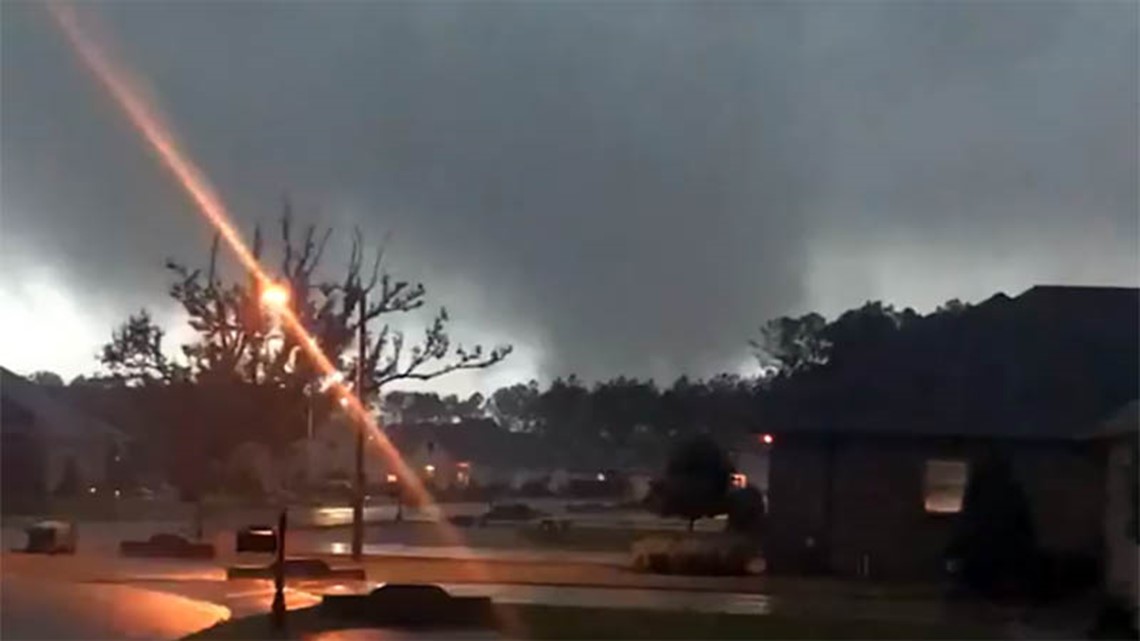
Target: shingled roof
(1048, 364)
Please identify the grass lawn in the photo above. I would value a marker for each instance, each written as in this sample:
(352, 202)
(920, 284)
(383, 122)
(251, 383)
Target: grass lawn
(554, 622)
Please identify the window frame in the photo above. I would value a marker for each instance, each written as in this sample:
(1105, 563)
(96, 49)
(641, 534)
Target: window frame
(930, 463)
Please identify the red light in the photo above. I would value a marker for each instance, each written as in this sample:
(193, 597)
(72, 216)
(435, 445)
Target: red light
(767, 438)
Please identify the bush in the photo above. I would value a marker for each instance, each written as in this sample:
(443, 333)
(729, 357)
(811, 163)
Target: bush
(713, 556)
(746, 510)
(994, 544)
(695, 484)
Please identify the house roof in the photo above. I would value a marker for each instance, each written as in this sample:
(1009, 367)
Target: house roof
(52, 417)
(1047, 364)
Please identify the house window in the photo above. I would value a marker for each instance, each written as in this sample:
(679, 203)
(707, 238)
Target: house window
(944, 485)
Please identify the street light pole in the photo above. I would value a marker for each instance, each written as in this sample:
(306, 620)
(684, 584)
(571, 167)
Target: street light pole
(310, 472)
(358, 487)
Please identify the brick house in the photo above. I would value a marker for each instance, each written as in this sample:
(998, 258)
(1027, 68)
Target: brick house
(884, 505)
(871, 458)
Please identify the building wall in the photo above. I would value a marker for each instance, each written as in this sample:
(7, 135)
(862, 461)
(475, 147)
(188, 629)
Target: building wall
(881, 528)
(797, 487)
(874, 515)
(1122, 548)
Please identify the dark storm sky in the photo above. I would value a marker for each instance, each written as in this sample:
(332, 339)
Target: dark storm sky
(615, 188)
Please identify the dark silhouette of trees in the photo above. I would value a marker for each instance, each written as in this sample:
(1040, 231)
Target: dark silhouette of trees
(135, 355)
(429, 407)
(746, 510)
(696, 481)
(994, 542)
(46, 378)
(627, 412)
(789, 345)
(565, 412)
(621, 406)
(242, 378)
(237, 336)
(237, 339)
(517, 407)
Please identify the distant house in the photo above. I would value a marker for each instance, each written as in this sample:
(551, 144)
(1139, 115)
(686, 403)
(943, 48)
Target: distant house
(870, 459)
(473, 452)
(469, 453)
(48, 446)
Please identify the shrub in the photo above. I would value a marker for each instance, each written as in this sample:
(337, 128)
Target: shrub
(720, 555)
(994, 543)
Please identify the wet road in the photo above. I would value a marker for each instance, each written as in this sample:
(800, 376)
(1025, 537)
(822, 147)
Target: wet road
(42, 609)
(318, 546)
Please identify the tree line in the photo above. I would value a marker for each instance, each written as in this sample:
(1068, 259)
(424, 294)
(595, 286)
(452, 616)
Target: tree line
(241, 378)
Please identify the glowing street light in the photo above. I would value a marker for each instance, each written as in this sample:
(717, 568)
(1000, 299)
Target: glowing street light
(275, 296)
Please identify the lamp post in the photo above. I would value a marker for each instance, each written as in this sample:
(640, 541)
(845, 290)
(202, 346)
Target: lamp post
(275, 297)
(358, 485)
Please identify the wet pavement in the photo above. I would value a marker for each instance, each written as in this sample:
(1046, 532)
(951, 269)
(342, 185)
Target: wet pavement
(594, 597)
(42, 609)
(375, 634)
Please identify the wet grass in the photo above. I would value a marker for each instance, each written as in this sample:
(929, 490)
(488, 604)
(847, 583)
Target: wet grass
(556, 622)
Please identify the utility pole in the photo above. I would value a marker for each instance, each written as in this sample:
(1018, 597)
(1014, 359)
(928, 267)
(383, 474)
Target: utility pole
(358, 486)
(277, 609)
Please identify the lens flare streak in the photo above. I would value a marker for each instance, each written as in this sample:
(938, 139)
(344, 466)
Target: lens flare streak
(119, 83)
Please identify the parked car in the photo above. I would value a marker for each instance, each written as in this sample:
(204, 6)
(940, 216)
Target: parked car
(510, 513)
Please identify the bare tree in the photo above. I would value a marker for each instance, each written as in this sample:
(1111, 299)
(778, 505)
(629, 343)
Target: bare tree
(236, 337)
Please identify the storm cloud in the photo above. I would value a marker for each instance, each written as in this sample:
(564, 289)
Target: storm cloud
(616, 188)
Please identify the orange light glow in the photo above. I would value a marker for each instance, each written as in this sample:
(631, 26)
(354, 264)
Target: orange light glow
(124, 89)
(121, 87)
(275, 296)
